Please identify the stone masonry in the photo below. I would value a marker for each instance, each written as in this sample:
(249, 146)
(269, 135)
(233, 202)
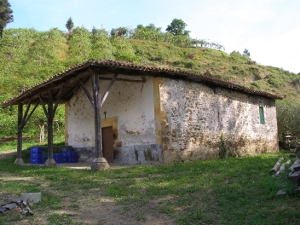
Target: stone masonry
(196, 119)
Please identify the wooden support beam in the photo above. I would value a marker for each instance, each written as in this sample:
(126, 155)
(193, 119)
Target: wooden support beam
(99, 163)
(58, 97)
(20, 130)
(22, 121)
(27, 117)
(44, 107)
(68, 95)
(26, 113)
(44, 90)
(79, 77)
(88, 93)
(49, 113)
(108, 88)
(123, 79)
(50, 124)
(97, 115)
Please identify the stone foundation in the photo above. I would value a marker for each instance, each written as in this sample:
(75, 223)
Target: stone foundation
(127, 155)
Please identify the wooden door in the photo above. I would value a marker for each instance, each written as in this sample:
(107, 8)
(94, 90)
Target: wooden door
(107, 143)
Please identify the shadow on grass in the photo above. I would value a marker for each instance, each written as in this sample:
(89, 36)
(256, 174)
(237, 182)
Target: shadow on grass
(218, 191)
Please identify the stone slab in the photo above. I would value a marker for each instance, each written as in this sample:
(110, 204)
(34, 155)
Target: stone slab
(281, 192)
(2, 209)
(294, 175)
(11, 206)
(297, 167)
(31, 197)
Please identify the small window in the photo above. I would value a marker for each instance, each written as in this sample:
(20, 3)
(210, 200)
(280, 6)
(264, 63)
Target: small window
(261, 115)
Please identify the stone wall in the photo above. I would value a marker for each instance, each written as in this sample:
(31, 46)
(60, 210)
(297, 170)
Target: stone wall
(197, 121)
(129, 108)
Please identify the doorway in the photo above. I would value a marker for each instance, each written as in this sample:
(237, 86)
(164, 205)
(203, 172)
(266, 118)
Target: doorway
(107, 143)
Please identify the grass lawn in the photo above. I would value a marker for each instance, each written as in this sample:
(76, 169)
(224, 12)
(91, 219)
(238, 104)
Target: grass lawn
(219, 191)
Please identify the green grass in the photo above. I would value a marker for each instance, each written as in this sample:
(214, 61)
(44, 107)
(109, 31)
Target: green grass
(219, 191)
(27, 143)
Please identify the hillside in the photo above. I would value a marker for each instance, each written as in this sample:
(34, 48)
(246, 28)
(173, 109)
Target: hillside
(29, 57)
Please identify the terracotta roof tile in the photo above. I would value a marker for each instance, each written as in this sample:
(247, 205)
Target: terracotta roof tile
(203, 78)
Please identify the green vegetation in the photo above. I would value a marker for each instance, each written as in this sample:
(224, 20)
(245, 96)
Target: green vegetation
(219, 191)
(29, 57)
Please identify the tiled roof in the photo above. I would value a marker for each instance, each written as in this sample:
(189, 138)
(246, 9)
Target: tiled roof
(132, 70)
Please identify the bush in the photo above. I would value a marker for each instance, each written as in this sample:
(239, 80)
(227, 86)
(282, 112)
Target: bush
(288, 119)
(273, 80)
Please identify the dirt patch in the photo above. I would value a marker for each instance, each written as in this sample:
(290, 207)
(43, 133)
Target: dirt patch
(7, 154)
(81, 206)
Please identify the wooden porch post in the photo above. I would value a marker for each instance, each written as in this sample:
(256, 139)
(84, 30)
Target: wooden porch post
(22, 121)
(99, 163)
(97, 115)
(50, 115)
(50, 125)
(19, 159)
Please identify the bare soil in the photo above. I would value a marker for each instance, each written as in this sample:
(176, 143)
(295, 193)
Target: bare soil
(7, 154)
(85, 207)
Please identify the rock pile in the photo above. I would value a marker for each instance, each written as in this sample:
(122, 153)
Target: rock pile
(294, 169)
(17, 204)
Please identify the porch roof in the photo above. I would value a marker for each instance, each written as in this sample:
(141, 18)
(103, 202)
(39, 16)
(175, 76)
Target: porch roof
(64, 84)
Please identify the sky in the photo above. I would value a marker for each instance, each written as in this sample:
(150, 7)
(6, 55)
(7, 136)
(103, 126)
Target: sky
(269, 29)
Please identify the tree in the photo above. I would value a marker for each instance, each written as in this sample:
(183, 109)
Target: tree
(119, 32)
(5, 15)
(246, 52)
(177, 27)
(70, 25)
(101, 47)
(79, 46)
(149, 32)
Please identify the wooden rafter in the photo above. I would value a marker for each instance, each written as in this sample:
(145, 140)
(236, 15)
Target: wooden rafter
(124, 79)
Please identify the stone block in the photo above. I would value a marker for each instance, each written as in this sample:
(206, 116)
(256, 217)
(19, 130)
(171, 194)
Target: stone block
(31, 197)
(11, 206)
(2, 210)
(294, 175)
(297, 190)
(281, 192)
(99, 164)
(297, 167)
